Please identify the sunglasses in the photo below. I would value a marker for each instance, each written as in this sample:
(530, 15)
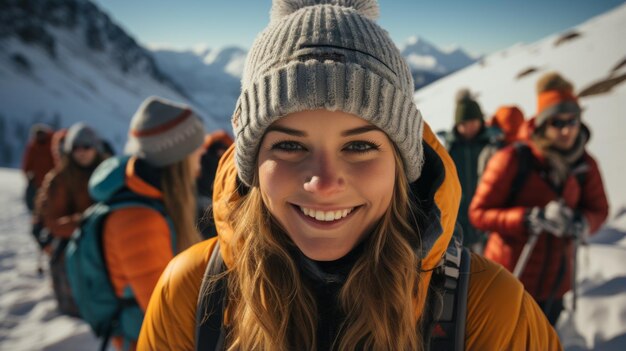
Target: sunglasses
(562, 123)
(82, 147)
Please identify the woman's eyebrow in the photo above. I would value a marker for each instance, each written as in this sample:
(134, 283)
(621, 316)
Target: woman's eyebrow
(290, 131)
(360, 130)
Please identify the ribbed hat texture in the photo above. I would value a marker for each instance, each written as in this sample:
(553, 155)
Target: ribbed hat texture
(554, 95)
(467, 108)
(163, 132)
(326, 54)
(81, 134)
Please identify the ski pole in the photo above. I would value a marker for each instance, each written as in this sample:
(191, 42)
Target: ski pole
(525, 255)
(574, 269)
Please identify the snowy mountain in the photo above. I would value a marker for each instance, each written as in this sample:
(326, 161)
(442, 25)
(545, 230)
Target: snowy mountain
(65, 61)
(592, 56)
(429, 63)
(210, 77)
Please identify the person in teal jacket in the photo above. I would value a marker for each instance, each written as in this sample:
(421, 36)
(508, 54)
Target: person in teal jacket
(469, 144)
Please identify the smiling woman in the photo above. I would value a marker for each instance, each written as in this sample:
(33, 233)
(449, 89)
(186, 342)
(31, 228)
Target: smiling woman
(333, 209)
(326, 179)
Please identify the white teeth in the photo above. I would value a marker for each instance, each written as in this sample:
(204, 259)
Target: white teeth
(325, 216)
(319, 215)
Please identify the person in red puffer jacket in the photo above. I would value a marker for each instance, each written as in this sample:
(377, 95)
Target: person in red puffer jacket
(561, 199)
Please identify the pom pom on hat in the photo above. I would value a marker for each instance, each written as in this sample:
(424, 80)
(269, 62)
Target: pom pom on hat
(554, 81)
(283, 8)
(463, 94)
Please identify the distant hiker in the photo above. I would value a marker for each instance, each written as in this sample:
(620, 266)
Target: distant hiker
(37, 161)
(65, 197)
(164, 147)
(508, 119)
(560, 197)
(468, 143)
(40, 232)
(215, 145)
(335, 212)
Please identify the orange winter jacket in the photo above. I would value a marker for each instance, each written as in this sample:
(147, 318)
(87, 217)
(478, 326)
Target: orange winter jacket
(501, 316)
(137, 245)
(137, 242)
(490, 211)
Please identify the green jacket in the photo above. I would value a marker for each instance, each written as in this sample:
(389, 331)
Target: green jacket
(470, 157)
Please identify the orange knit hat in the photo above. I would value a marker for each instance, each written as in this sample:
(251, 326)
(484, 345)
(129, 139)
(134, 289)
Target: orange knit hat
(555, 95)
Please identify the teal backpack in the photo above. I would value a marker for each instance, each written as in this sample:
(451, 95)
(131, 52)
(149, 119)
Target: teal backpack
(88, 276)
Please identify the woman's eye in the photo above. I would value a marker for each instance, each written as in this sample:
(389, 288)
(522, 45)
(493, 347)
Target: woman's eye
(361, 146)
(288, 146)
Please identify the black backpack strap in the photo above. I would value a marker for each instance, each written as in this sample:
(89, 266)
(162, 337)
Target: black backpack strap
(525, 161)
(106, 337)
(210, 307)
(446, 306)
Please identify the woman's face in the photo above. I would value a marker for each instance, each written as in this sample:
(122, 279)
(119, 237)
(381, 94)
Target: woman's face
(562, 130)
(327, 178)
(84, 155)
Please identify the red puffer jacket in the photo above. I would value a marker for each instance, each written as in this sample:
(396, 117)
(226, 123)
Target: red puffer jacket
(490, 211)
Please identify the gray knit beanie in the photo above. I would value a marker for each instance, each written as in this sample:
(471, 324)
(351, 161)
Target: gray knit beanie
(163, 132)
(80, 134)
(326, 54)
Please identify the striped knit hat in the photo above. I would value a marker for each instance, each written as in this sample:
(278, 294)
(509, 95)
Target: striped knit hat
(554, 95)
(163, 132)
(326, 54)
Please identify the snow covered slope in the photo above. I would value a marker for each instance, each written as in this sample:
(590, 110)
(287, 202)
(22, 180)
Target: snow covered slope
(592, 56)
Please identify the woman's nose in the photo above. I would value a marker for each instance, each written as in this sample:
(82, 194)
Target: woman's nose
(326, 178)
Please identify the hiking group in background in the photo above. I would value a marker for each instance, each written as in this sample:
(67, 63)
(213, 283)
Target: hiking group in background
(333, 209)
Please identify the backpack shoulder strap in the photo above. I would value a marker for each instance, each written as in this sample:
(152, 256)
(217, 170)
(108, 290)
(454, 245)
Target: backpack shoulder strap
(210, 307)
(446, 307)
(525, 161)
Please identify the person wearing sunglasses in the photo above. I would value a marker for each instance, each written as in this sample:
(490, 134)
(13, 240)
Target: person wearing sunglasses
(561, 199)
(65, 195)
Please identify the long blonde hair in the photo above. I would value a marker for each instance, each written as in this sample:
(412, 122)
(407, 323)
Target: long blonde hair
(270, 308)
(180, 202)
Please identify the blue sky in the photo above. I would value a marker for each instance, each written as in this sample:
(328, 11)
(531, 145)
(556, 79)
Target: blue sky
(479, 26)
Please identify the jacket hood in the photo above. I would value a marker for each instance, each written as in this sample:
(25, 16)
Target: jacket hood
(437, 192)
(117, 173)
